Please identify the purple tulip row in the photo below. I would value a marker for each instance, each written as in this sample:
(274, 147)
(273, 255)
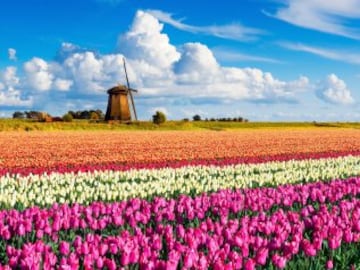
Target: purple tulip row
(245, 243)
(184, 209)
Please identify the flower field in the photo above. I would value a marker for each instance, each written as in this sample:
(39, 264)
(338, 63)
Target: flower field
(250, 199)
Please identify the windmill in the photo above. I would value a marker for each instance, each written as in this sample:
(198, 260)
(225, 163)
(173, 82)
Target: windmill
(120, 100)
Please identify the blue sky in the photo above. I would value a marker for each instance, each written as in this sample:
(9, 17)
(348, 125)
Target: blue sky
(292, 60)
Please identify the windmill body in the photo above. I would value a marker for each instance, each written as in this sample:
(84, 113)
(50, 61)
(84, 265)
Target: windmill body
(120, 102)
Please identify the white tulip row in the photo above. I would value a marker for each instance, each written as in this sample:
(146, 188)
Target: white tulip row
(84, 188)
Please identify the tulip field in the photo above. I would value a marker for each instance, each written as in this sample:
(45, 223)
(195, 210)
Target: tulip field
(252, 199)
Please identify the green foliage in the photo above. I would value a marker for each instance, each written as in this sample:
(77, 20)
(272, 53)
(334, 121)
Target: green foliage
(34, 124)
(94, 116)
(91, 114)
(18, 115)
(197, 117)
(67, 117)
(159, 118)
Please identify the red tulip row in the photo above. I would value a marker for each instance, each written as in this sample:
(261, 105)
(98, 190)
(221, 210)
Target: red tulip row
(65, 168)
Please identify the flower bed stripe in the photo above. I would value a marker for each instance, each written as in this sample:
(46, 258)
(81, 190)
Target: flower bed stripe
(84, 188)
(218, 239)
(130, 165)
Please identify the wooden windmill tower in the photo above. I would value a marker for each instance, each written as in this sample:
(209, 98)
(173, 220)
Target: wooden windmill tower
(120, 100)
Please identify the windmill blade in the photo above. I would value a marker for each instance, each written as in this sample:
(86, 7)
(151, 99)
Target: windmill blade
(130, 90)
(127, 79)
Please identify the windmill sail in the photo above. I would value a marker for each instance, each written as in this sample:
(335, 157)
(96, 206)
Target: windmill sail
(130, 91)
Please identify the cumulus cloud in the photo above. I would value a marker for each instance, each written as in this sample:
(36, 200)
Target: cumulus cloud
(94, 74)
(146, 42)
(334, 90)
(321, 15)
(12, 54)
(9, 94)
(197, 64)
(234, 31)
(156, 67)
(40, 75)
(192, 70)
(62, 84)
(67, 49)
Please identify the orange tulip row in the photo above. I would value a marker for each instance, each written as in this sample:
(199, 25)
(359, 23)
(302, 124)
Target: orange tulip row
(73, 148)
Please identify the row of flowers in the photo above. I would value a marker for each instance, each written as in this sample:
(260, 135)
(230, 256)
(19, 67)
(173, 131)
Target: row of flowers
(183, 210)
(84, 188)
(217, 239)
(131, 165)
(50, 150)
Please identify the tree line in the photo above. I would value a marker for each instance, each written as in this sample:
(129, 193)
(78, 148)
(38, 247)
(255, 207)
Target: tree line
(69, 116)
(197, 117)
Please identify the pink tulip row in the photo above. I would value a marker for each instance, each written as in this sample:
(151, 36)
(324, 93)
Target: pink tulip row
(221, 204)
(64, 168)
(245, 243)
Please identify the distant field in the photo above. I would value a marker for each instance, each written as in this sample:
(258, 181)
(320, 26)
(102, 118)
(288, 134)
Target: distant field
(28, 125)
(50, 149)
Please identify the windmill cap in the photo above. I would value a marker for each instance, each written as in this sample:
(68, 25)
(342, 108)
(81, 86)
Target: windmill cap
(118, 89)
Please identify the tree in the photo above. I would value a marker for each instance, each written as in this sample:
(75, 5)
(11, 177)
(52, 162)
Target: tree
(18, 115)
(94, 116)
(197, 117)
(159, 117)
(85, 115)
(67, 117)
(33, 115)
(100, 114)
(73, 114)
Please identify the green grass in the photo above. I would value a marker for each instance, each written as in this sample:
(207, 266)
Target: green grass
(29, 125)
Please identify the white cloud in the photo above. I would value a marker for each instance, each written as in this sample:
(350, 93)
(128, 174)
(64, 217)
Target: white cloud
(161, 72)
(62, 85)
(334, 90)
(145, 41)
(234, 31)
(12, 54)
(193, 71)
(232, 56)
(9, 95)
(38, 74)
(67, 49)
(93, 74)
(157, 68)
(196, 65)
(41, 75)
(322, 15)
(9, 77)
(347, 57)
